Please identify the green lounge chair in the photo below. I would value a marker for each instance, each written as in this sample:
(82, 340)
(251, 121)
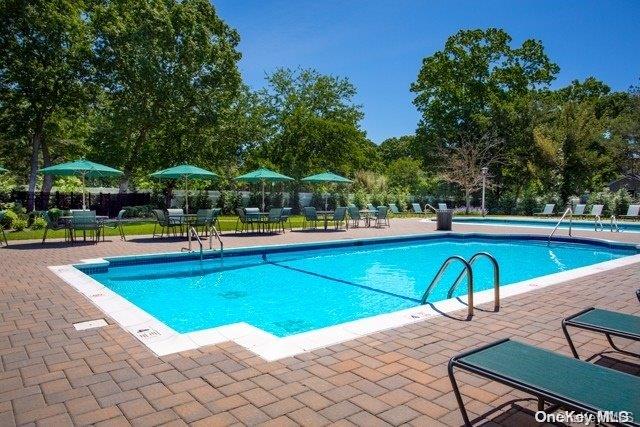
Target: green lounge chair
(596, 211)
(547, 211)
(552, 378)
(632, 213)
(442, 206)
(609, 323)
(310, 217)
(579, 209)
(417, 209)
(394, 209)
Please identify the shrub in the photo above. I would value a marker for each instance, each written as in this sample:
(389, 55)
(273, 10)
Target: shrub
(8, 218)
(38, 223)
(229, 201)
(620, 202)
(19, 224)
(275, 200)
(317, 200)
(360, 199)
(255, 199)
(200, 201)
(528, 205)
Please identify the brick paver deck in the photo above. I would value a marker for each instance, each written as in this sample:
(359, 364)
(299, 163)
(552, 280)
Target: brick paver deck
(52, 374)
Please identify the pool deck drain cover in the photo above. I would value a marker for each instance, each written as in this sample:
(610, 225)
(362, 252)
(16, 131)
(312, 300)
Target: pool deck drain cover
(82, 326)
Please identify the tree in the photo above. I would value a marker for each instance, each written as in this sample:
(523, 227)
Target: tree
(466, 159)
(406, 173)
(479, 83)
(315, 125)
(44, 72)
(169, 72)
(396, 148)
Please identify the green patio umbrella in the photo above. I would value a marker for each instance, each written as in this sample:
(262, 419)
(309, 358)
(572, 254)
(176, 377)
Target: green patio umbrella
(263, 175)
(185, 172)
(82, 168)
(326, 178)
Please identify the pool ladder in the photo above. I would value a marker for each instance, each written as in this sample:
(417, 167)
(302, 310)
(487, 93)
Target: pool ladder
(212, 231)
(468, 271)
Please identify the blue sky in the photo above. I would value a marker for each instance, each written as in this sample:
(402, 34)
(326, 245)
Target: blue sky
(379, 45)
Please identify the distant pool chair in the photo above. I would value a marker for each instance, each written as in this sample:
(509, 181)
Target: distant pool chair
(632, 213)
(596, 212)
(339, 217)
(310, 217)
(85, 221)
(115, 224)
(274, 219)
(382, 217)
(4, 236)
(163, 221)
(394, 209)
(547, 211)
(442, 206)
(354, 216)
(53, 225)
(285, 217)
(415, 207)
(579, 209)
(371, 207)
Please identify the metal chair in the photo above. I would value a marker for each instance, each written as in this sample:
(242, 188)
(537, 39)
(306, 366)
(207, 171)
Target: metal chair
(310, 216)
(382, 216)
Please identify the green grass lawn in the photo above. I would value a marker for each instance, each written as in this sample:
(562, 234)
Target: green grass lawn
(227, 223)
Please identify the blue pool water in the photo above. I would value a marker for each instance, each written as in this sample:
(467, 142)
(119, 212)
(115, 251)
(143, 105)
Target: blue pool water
(625, 226)
(297, 289)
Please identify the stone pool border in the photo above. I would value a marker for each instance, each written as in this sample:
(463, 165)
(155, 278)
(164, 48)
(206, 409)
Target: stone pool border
(163, 340)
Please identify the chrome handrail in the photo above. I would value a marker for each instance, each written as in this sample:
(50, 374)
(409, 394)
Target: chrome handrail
(496, 278)
(614, 223)
(567, 211)
(427, 205)
(437, 277)
(213, 231)
(598, 220)
(192, 232)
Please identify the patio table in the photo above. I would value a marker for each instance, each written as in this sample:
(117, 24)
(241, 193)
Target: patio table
(325, 215)
(367, 213)
(68, 220)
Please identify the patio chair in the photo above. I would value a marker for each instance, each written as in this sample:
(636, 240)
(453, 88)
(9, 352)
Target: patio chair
(609, 323)
(551, 377)
(163, 221)
(114, 224)
(547, 211)
(4, 236)
(175, 217)
(632, 213)
(203, 221)
(253, 217)
(596, 211)
(442, 206)
(354, 216)
(55, 226)
(579, 209)
(310, 217)
(382, 216)
(415, 207)
(285, 217)
(214, 221)
(339, 216)
(85, 221)
(274, 219)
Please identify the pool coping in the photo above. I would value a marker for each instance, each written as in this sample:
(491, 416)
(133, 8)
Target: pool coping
(163, 340)
(517, 221)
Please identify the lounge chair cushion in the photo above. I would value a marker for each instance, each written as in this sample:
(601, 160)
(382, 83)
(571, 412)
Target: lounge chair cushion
(583, 383)
(609, 321)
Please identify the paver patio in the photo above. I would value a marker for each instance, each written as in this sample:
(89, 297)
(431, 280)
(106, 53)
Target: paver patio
(52, 374)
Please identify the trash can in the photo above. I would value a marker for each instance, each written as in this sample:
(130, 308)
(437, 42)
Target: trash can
(444, 218)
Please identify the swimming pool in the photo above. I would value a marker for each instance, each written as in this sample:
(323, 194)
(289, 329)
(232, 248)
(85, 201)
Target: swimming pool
(625, 226)
(293, 289)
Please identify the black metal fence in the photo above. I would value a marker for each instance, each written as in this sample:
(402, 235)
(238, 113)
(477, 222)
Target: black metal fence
(103, 204)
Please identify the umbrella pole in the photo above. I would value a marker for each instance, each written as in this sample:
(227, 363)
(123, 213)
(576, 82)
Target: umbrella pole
(84, 190)
(263, 195)
(186, 194)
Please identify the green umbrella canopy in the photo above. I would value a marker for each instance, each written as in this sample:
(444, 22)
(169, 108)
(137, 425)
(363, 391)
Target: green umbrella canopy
(81, 167)
(185, 172)
(326, 177)
(85, 169)
(263, 175)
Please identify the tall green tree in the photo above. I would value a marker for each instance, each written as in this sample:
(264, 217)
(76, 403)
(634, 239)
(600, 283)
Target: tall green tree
(480, 83)
(396, 148)
(315, 124)
(169, 72)
(45, 71)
